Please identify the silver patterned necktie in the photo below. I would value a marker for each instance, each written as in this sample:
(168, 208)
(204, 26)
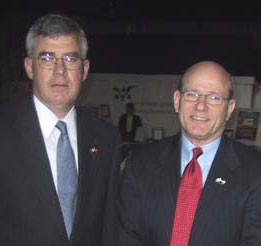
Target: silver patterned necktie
(67, 178)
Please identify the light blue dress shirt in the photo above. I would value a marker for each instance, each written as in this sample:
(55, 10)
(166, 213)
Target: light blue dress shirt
(205, 160)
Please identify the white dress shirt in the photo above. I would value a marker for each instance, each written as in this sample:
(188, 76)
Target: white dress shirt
(51, 134)
(129, 123)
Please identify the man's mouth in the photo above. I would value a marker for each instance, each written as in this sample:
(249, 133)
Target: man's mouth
(200, 118)
(59, 85)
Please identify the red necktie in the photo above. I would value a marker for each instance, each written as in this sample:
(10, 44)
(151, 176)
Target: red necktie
(187, 202)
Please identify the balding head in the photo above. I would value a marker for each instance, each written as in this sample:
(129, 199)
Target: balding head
(204, 102)
(207, 70)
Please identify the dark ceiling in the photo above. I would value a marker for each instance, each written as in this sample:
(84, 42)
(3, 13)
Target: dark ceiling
(142, 36)
(164, 9)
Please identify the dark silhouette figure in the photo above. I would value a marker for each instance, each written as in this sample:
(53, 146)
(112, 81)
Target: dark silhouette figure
(128, 123)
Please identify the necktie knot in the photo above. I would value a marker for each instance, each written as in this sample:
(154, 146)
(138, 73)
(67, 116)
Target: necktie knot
(197, 152)
(61, 125)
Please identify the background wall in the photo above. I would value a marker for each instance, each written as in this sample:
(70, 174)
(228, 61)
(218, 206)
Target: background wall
(151, 94)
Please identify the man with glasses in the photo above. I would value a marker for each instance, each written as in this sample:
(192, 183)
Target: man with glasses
(59, 163)
(199, 187)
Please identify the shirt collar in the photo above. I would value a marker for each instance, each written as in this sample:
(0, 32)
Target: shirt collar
(209, 150)
(48, 119)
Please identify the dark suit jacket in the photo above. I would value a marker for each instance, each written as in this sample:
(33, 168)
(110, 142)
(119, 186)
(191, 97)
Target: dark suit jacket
(30, 213)
(227, 215)
(129, 136)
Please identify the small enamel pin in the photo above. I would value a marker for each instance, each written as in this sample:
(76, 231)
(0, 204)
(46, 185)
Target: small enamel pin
(94, 150)
(220, 181)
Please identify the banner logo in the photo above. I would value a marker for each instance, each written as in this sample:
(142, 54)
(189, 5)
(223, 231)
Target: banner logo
(123, 92)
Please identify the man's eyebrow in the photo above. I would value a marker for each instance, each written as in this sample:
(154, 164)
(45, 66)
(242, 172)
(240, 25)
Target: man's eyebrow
(76, 54)
(42, 53)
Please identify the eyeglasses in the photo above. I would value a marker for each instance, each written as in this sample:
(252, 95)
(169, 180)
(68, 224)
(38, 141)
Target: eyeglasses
(71, 62)
(213, 99)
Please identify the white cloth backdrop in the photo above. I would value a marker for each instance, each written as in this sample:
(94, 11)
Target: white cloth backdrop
(151, 94)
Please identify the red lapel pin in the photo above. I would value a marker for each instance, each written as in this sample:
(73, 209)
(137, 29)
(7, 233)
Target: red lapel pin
(95, 150)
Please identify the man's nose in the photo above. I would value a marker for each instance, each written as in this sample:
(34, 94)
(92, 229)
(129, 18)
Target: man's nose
(202, 103)
(59, 66)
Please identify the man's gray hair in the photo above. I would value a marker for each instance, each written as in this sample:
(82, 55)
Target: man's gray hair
(53, 26)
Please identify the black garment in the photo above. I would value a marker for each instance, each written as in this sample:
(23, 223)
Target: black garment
(228, 214)
(129, 136)
(29, 209)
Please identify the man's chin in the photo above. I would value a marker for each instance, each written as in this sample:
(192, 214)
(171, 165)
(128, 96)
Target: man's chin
(198, 136)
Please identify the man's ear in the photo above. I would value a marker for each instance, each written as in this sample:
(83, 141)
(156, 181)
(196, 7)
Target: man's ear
(231, 107)
(86, 66)
(28, 64)
(176, 100)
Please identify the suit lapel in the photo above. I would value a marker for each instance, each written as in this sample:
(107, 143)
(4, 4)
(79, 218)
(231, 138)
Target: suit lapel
(35, 162)
(169, 181)
(87, 164)
(214, 193)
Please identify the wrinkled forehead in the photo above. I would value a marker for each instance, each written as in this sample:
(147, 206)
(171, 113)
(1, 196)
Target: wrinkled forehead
(207, 77)
(65, 43)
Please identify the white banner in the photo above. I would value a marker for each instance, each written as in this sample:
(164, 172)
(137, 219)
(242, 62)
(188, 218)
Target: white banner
(152, 96)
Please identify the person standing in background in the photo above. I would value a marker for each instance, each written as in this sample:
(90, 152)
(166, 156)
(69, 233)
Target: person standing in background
(129, 123)
(59, 167)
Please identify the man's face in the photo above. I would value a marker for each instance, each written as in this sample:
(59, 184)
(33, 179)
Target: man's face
(201, 122)
(57, 87)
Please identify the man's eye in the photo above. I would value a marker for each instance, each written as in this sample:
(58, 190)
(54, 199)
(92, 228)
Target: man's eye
(192, 94)
(71, 59)
(46, 58)
(215, 98)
